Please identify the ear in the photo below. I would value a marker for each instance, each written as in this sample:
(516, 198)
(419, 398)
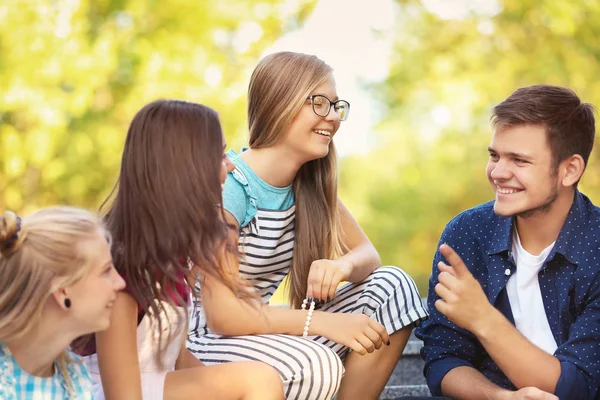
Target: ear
(59, 294)
(572, 169)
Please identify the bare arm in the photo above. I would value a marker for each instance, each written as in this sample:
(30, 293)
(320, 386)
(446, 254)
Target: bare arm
(228, 315)
(362, 256)
(522, 362)
(117, 352)
(467, 383)
(464, 303)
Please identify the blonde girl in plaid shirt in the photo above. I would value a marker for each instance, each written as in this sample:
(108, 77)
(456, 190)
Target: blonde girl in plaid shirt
(57, 283)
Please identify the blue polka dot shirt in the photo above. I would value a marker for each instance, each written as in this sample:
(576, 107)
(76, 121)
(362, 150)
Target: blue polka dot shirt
(569, 283)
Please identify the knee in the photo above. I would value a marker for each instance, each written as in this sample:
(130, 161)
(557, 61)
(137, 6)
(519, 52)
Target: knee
(393, 276)
(324, 369)
(265, 375)
(334, 368)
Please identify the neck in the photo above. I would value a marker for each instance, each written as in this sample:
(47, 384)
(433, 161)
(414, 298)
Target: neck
(539, 231)
(37, 351)
(274, 165)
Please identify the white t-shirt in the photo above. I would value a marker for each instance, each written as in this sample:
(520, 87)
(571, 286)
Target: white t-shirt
(525, 297)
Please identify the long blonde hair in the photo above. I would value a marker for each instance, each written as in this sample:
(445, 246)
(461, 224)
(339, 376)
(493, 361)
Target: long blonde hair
(33, 252)
(278, 89)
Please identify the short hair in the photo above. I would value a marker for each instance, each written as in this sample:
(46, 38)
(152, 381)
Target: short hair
(569, 123)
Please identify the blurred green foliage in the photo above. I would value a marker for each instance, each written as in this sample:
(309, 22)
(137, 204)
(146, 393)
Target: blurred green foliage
(74, 72)
(445, 77)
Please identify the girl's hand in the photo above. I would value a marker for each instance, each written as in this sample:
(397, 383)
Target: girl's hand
(355, 331)
(325, 276)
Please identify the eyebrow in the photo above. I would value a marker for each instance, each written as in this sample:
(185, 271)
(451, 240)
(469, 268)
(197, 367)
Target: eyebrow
(512, 154)
(336, 98)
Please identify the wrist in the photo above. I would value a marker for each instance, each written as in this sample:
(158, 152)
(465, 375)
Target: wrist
(487, 323)
(500, 394)
(345, 266)
(316, 324)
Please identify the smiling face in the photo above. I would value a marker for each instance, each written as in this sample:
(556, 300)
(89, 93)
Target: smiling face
(521, 171)
(309, 135)
(93, 296)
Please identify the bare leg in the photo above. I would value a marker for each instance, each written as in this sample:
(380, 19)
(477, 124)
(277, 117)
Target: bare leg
(367, 375)
(248, 380)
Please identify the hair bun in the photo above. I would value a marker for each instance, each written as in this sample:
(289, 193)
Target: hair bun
(10, 225)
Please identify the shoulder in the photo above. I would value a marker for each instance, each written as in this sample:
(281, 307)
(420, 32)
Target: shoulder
(474, 219)
(238, 195)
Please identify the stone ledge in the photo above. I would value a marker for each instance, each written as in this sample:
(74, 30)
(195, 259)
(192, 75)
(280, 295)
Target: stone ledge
(396, 392)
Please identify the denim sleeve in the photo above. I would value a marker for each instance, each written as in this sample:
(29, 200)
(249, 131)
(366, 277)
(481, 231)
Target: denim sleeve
(579, 356)
(446, 346)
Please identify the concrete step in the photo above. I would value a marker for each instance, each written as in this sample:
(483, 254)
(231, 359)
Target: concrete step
(397, 392)
(409, 370)
(407, 378)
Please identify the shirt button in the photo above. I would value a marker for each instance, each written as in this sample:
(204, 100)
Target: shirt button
(507, 271)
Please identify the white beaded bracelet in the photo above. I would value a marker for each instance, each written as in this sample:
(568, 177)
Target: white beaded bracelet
(311, 309)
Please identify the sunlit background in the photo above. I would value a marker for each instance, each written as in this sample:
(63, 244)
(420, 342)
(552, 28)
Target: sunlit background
(421, 76)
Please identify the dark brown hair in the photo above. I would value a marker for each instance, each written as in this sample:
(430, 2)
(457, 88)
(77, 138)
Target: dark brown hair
(165, 212)
(569, 123)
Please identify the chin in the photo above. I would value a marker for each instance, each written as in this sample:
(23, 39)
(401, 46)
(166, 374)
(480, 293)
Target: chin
(102, 323)
(103, 327)
(323, 153)
(504, 211)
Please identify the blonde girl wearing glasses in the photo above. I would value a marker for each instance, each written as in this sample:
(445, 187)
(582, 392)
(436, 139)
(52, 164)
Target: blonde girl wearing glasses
(284, 213)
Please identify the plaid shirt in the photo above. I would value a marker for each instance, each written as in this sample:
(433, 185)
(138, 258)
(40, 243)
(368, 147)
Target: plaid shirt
(18, 384)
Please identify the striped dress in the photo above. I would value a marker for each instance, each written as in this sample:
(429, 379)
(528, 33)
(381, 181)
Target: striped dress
(16, 384)
(313, 368)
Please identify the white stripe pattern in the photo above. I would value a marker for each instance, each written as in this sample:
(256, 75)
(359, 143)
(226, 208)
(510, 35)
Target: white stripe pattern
(310, 368)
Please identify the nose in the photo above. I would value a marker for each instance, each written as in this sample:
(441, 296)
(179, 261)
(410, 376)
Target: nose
(499, 170)
(118, 282)
(229, 166)
(333, 115)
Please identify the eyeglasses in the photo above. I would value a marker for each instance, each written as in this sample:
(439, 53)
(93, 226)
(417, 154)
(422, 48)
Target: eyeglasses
(321, 106)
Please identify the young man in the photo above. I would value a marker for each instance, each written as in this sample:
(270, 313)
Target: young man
(520, 317)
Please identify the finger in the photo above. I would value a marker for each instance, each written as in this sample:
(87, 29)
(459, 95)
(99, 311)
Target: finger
(443, 267)
(442, 306)
(445, 294)
(448, 280)
(454, 260)
(357, 347)
(309, 291)
(374, 337)
(312, 282)
(317, 282)
(327, 285)
(366, 343)
(335, 282)
(381, 331)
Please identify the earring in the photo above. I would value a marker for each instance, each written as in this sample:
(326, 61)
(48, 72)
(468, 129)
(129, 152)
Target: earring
(68, 302)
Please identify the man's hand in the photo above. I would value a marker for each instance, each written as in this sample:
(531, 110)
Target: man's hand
(462, 299)
(531, 393)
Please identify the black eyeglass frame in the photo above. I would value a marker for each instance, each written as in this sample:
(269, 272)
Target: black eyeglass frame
(331, 103)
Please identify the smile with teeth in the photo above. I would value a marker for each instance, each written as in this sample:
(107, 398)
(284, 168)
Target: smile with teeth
(323, 132)
(507, 190)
